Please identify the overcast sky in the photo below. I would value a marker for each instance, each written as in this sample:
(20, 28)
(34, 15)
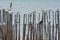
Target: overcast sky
(26, 6)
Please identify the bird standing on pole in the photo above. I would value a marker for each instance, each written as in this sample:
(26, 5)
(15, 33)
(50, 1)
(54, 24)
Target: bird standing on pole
(11, 5)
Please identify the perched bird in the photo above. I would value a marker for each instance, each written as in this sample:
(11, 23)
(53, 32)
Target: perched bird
(11, 5)
(40, 22)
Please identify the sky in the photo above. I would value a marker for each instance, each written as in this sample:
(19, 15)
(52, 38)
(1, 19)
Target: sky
(26, 6)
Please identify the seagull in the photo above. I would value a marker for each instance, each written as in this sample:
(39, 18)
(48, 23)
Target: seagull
(11, 5)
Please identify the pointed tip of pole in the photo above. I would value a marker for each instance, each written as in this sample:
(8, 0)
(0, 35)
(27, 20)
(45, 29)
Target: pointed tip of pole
(34, 11)
(57, 9)
(50, 10)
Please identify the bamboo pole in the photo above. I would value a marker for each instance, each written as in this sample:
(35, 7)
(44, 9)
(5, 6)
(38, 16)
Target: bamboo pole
(49, 27)
(1, 32)
(24, 28)
(47, 35)
(43, 24)
(28, 29)
(16, 23)
(16, 30)
(7, 30)
(58, 27)
(50, 24)
(11, 38)
(34, 30)
(37, 32)
(57, 23)
(53, 24)
(31, 32)
(1, 22)
(32, 27)
(54, 28)
(2, 35)
(19, 27)
(34, 23)
(39, 28)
